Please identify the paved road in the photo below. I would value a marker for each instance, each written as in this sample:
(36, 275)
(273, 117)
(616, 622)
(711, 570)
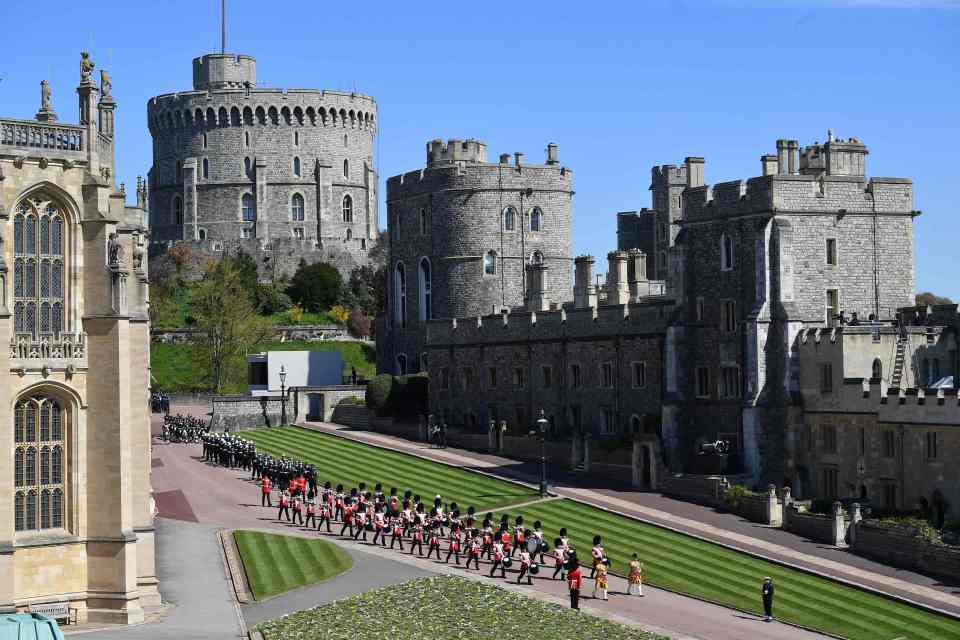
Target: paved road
(191, 489)
(725, 528)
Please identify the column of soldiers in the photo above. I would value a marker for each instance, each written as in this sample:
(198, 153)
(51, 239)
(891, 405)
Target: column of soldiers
(181, 428)
(441, 527)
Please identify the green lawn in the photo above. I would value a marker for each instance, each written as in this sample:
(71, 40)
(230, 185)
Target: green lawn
(445, 607)
(276, 563)
(672, 560)
(347, 462)
(176, 367)
(308, 317)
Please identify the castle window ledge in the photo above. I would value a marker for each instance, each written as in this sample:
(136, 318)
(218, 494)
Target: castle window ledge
(46, 538)
(60, 348)
(52, 140)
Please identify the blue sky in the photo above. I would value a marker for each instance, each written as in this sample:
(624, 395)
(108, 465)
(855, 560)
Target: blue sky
(619, 86)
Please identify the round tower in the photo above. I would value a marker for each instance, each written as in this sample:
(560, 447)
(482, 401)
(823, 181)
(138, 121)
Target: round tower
(464, 233)
(288, 173)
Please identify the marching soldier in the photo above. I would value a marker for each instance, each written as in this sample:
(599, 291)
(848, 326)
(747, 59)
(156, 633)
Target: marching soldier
(574, 581)
(635, 577)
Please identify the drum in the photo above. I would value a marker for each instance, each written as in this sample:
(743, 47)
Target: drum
(606, 561)
(533, 545)
(544, 546)
(369, 526)
(507, 561)
(534, 568)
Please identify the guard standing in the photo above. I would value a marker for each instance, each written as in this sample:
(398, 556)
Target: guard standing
(767, 592)
(574, 581)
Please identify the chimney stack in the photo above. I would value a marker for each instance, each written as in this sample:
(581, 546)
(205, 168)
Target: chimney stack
(782, 154)
(769, 164)
(504, 158)
(793, 150)
(584, 292)
(618, 289)
(694, 171)
(518, 158)
(552, 154)
(637, 270)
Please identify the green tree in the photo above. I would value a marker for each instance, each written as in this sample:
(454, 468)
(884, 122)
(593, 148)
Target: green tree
(927, 298)
(227, 320)
(316, 287)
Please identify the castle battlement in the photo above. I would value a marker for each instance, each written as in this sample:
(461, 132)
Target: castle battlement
(469, 150)
(668, 174)
(646, 318)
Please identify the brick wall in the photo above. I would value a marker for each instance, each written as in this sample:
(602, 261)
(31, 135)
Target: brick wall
(907, 551)
(244, 412)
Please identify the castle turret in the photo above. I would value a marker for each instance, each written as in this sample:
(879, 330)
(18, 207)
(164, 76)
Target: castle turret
(224, 71)
(584, 291)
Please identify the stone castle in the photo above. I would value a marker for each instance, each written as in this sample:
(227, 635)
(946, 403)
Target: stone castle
(699, 332)
(77, 523)
(283, 174)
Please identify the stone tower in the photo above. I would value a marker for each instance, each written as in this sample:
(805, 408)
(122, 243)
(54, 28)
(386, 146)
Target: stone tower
(470, 237)
(283, 174)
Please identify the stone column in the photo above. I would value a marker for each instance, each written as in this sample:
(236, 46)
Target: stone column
(839, 525)
(773, 508)
(586, 453)
(422, 428)
(654, 459)
(855, 518)
(500, 432)
(636, 464)
(7, 446)
(87, 92)
(574, 452)
(492, 436)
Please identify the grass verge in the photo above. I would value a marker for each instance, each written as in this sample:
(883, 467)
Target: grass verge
(276, 563)
(445, 607)
(672, 560)
(349, 463)
(176, 367)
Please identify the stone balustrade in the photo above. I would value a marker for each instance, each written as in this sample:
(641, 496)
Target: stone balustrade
(59, 139)
(65, 346)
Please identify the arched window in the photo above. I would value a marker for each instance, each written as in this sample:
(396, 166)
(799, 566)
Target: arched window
(536, 219)
(248, 208)
(877, 371)
(296, 138)
(38, 463)
(349, 234)
(424, 223)
(246, 138)
(246, 166)
(178, 211)
(296, 208)
(346, 168)
(536, 258)
(202, 234)
(296, 166)
(39, 263)
(490, 263)
(424, 309)
(206, 168)
(726, 252)
(347, 209)
(509, 219)
(400, 295)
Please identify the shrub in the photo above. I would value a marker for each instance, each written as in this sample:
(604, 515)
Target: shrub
(339, 313)
(358, 324)
(295, 313)
(315, 286)
(734, 494)
(271, 298)
(352, 400)
(378, 393)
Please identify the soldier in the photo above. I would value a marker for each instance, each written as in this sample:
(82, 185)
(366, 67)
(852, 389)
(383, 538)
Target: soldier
(311, 514)
(396, 524)
(635, 577)
(574, 580)
(498, 556)
(560, 558)
(600, 582)
(453, 544)
(284, 506)
(434, 541)
(265, 492)
(597, 554)
(474, 551)
(766, 592)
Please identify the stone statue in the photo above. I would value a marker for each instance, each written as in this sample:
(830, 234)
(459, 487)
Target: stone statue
(114, 251)
(86, 67)
(138, 252)
(106, 86)
(44, 95)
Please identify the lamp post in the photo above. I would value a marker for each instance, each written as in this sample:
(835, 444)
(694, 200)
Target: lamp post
(541, 433)
(283, 396)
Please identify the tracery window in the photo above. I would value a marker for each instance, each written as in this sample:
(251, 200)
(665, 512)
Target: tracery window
(509, 219)
(38, 280)
(347, 209)
(38, 464)
(296, 207)
(536, 219)
(247, 208)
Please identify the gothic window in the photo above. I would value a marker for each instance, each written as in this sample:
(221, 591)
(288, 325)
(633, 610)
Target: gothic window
(38, 268)
(38, 464)
(346, 168)
(178, 211)
(536, 219)
(206, 168)
(246, 166)
(536, 258)
(726, 252)
(296, 166)
(490, 263)
(296, 138)
(425, 290)
(400, 295)
(509, 219)
(347, 209)
(248, 208)
(877, 371)
(424, 224)
(296, 208)
(349, 234)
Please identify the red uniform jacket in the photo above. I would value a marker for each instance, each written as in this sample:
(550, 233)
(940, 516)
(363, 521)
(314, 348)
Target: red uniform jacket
(575, 579)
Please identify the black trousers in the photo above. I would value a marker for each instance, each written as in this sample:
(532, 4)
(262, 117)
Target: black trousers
(432, 549)
(503, 570)
(416, 544)
(379, 534)
(475, 559)
(394, 538)
(768, 607)
(450, 552)
(311, 520)
(574, 598)
(322, 520)
(347, 525)
(523, 572)
(284, 511)
(297, 516)
(558, 569)
(265, 500)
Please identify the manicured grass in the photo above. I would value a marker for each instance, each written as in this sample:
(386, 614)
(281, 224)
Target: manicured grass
(445, 607)
(346, 462)
(308, 317)
(672, 560)
(276, 563)
(176, 367)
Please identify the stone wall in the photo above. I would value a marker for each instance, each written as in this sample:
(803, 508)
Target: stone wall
(707, 490)
(830, 529)
(894, 547)
(351, 415)
(246, 412)
(282, 333)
